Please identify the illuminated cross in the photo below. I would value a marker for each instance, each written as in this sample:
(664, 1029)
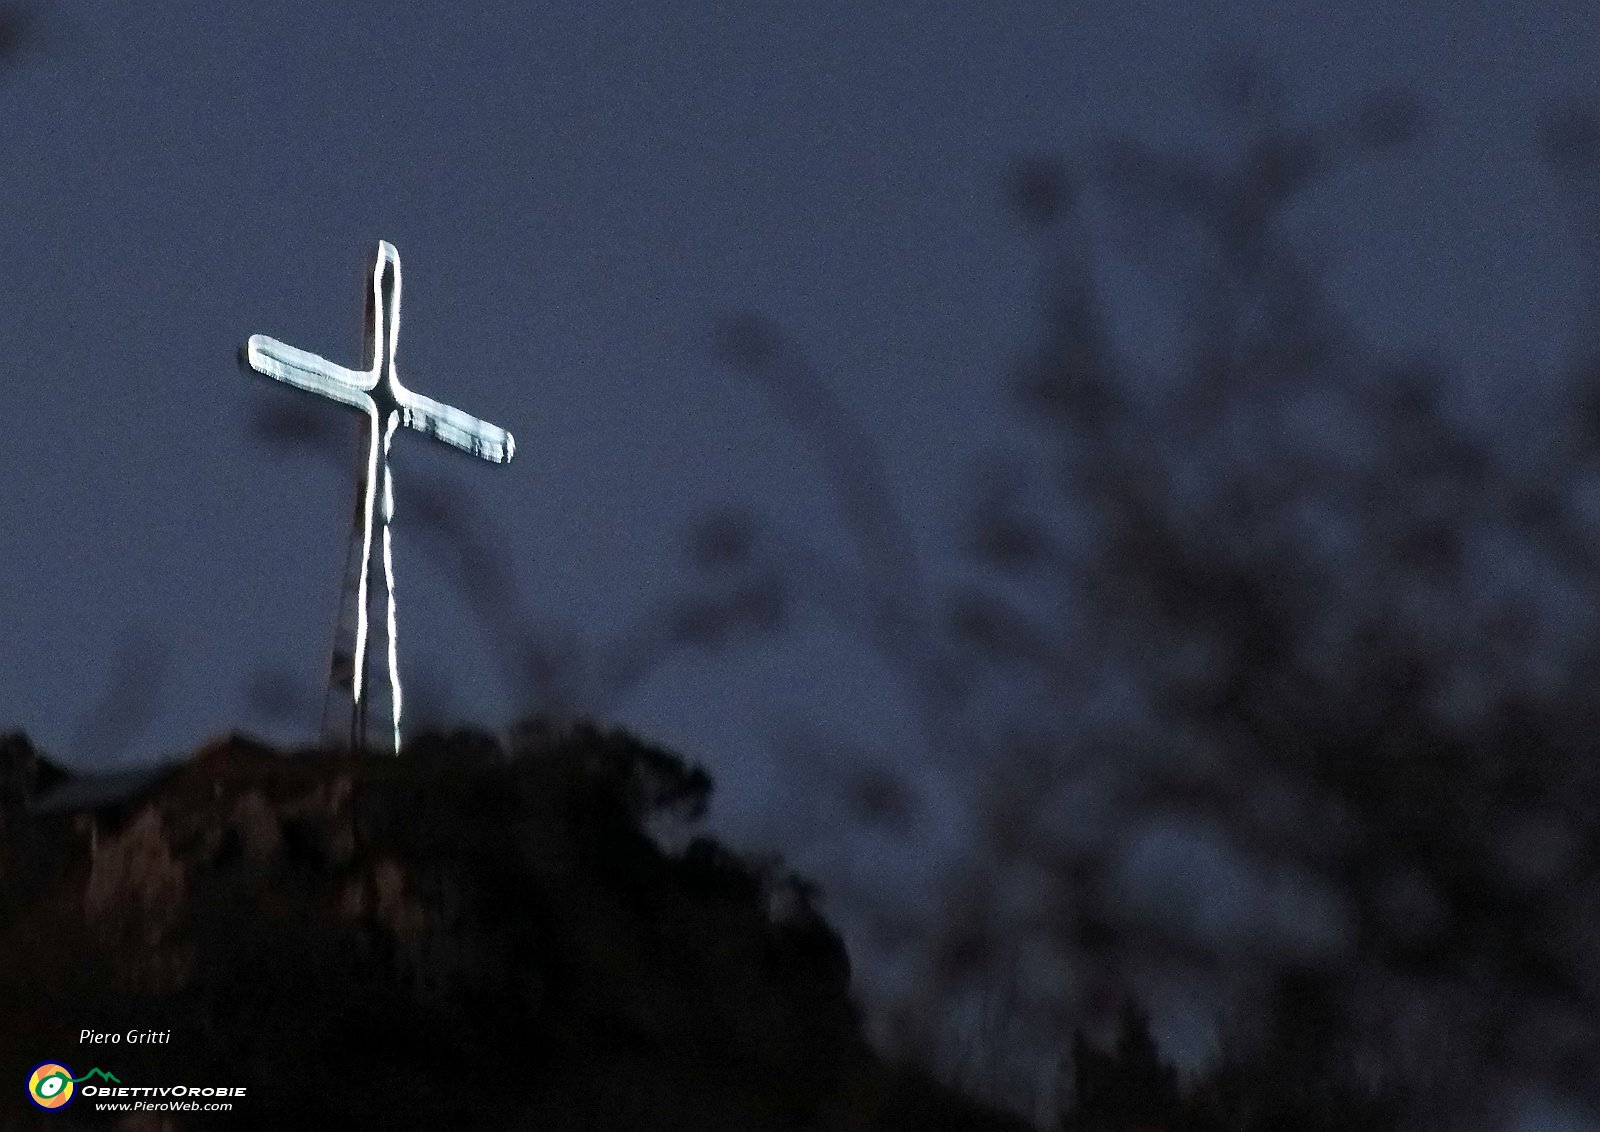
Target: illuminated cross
(378, 393)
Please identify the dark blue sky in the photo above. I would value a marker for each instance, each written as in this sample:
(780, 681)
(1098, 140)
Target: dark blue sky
(576, 191)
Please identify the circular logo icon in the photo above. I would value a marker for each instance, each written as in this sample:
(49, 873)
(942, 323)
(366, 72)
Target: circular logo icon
(50, 1085)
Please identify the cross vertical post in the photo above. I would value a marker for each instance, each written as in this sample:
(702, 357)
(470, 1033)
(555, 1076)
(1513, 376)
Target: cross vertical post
(379, 395)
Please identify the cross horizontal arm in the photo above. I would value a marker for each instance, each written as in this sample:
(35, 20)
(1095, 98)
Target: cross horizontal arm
(306, 371)
(462, 430)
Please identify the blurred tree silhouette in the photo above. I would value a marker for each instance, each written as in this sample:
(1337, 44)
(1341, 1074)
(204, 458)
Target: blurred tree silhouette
(1277, 627)
(1128, 1087)
(1267, 674)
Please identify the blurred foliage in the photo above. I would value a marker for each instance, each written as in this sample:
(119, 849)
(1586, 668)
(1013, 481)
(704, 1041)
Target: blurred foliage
(1266, 673)
(1269, 673)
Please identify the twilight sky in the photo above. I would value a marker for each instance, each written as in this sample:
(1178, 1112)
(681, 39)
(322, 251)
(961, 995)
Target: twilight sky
(576, 191)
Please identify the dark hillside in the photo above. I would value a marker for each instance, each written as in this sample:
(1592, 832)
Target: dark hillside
(465, 937)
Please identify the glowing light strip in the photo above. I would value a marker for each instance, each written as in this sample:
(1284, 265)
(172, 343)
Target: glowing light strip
(458, 429)
(388, 575)
(388, 261)
(307, 371)
(378, 391)
(366, 554)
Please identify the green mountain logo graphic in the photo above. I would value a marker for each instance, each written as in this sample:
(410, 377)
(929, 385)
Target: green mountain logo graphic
(100, 1073)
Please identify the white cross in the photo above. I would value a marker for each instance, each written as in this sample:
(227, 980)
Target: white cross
(378, 393)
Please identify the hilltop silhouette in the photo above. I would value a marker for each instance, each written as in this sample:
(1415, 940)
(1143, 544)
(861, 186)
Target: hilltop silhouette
(472, 935)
